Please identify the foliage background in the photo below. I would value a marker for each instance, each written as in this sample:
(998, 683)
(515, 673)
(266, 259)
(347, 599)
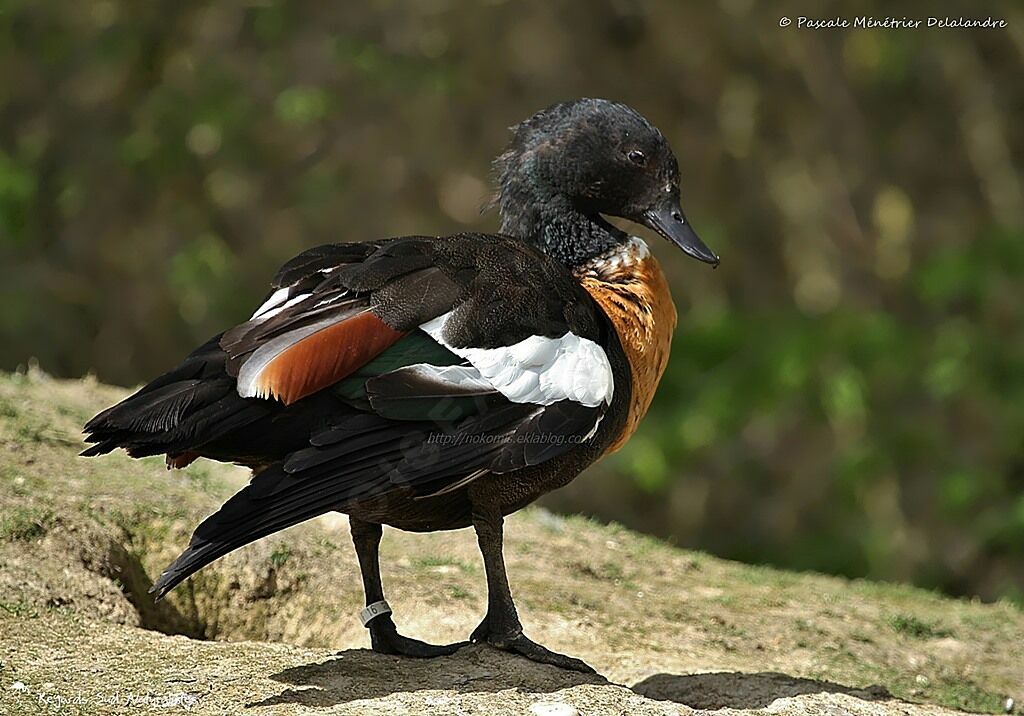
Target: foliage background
(846, 392)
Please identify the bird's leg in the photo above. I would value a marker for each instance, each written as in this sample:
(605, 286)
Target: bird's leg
(501, 627)
(384, 636)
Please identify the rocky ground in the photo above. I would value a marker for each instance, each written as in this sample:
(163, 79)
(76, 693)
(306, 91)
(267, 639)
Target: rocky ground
(271, 629)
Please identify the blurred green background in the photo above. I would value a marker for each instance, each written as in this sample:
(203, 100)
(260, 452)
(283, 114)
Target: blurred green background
(846, 391)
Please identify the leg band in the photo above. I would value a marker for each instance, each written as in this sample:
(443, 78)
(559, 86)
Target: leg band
(373, 611)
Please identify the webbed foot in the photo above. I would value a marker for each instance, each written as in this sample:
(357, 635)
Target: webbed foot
(385, 639)
(518, 643)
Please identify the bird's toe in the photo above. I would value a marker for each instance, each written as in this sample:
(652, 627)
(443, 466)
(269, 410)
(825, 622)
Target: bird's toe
(535, 652)
(385, 639)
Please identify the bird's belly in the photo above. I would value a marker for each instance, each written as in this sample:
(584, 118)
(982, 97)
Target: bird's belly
(509, 491)
(402, 510)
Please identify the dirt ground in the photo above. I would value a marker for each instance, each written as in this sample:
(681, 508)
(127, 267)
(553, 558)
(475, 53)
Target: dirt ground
(272, 628)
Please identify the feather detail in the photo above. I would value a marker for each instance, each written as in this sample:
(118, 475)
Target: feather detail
(429, 392)
(538, 369)
(631, 289)
(307, 360)
(276, 299)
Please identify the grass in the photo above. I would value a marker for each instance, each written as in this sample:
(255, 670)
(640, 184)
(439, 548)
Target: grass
(19, 609)
(433, 562)
(456, 591)
(280, 555)
(25, 523)
(968, 696)
(910, 625)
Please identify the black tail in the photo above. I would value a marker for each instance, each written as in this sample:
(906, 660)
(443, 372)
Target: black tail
(191, 405)
(362, 456)
(352, 461)
(243, 519)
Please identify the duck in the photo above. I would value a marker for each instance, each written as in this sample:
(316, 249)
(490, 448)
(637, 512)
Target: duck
(435, 383)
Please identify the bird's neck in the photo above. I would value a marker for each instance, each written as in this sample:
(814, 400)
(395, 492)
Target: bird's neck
(556, 226)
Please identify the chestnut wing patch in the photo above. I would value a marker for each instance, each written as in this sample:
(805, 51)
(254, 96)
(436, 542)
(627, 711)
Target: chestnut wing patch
(308, 359)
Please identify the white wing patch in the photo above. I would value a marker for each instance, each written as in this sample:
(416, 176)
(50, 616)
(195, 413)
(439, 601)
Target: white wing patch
(538, 369)
(276, 299)
(276, 303)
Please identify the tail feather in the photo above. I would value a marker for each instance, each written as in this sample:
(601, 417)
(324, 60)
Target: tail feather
(157, 410)
(192, 405)
(101, 448)
(204, 362)
(248, 516)
(299, 488)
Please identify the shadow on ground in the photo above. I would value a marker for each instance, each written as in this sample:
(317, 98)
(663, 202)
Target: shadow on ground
(362, 674)
(736, 690)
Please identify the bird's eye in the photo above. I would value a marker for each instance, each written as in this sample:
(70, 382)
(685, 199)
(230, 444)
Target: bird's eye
(637, 157)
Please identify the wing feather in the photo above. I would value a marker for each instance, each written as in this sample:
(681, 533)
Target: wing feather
(309, 359)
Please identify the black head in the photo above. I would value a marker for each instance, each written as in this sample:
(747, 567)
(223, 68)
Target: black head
(593, 157)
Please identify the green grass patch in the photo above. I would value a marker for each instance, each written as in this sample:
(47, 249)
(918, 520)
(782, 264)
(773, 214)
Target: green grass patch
(605, 572)
(435, 562)
(280, 555)
(458, 592)
(967, 696)
(7, 409)
(25, 523)
(19, 609)
(909, 625)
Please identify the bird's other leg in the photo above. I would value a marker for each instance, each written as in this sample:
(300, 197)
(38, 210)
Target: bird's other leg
(384, 636)
(501, 627)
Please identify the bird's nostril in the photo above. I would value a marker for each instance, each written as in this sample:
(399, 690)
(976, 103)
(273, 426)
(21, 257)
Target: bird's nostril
(677, 216)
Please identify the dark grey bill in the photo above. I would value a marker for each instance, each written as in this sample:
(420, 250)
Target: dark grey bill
(672, 224)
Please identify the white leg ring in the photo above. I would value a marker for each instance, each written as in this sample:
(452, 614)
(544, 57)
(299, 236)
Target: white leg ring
(372, 611)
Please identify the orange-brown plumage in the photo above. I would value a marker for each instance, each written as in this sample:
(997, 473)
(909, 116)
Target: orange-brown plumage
(631, 289)
(326, 357)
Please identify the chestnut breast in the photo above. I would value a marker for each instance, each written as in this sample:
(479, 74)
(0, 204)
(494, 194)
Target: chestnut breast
(630, 287)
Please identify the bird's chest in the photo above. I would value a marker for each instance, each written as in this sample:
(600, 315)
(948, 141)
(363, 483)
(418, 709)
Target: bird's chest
(631, 289)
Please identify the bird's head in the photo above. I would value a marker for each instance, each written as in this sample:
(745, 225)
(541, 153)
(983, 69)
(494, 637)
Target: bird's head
(593, 157)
